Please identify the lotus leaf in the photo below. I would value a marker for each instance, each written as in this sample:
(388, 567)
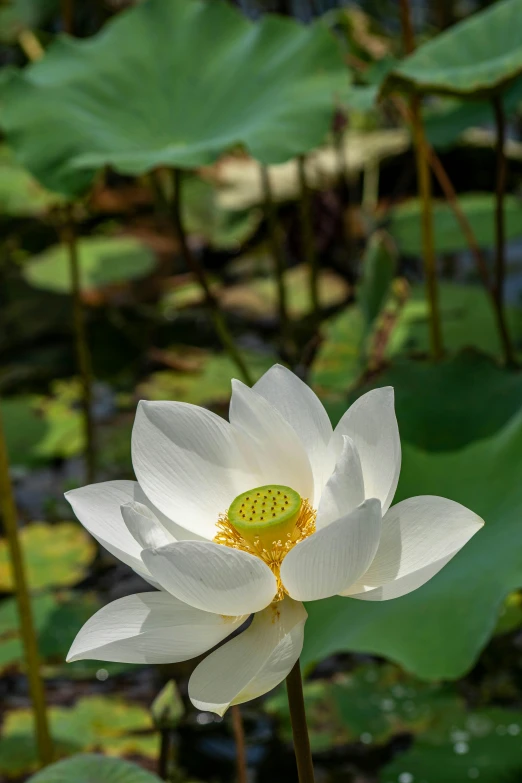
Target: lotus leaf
(272, 87)
(429, 631)
(477, 57)
(89, 767)
(55, 555)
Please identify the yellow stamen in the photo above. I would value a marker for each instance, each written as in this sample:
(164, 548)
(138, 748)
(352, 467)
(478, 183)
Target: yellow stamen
(273, 541)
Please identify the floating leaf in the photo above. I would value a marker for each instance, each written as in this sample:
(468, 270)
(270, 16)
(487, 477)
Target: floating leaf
(57, 618)
(55, 555)
(479, 208)
(478, 56)
(467, 321)
(480, 745)
(207, 382)
(94, 722)
(439, 630)
(258, 298)
(272, 87)
(89, 767)
(103, 261)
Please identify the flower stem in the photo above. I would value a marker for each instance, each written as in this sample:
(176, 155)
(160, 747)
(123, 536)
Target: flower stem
(239, 737)
(68, 16)
(500, 231)
(36, 688)
(303, 754)
(307, 238)
(83, 357)
(274, 236)
(199, 273)
(164, 755)
(424, 180)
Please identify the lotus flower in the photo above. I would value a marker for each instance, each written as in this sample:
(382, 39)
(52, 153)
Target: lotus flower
(251, 518)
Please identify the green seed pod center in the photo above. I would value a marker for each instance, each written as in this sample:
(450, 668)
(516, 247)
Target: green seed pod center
(267, 514)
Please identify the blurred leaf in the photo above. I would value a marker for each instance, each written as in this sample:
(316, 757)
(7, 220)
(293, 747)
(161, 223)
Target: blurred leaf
(57, 618)
(55, 555)
(478, 56)
(438, 407)
(103, 261)
(258, 297)
(24, 428)
(272, 88)
(378, 270)
(167, 708)
(19, 15)
(337, 364)
(510, 617)
(445, 123)
(481, 745)
(94, 722)
(467, 321)
(87, 768)
(208, 380)
(203, 215)
(438, 630)
(20, 194)
(479, 208)
(371, 705)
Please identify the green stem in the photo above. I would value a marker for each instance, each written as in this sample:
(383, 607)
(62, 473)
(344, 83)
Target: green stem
(164, 756)
(274, 237)
(68, 16)
(303, 753)
(239, 737)
(199, 273)
(9, 516)
(307, 239)
(500, 231)
(83, 357)
(424, 180)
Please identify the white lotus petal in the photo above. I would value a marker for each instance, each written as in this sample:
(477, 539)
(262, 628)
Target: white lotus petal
(335, 557)
(254, 662)
(297, 403)
(372, 425)
(402, 586)
(344, 490)
(188, 462)
(150, 628)
(212, 577)
(417, 534)
(97, 506)
(281, 456)
(144, 526)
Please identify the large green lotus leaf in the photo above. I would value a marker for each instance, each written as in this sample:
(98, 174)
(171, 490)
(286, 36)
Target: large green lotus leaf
(20, 193)
(140, 94)
(55, 555)
(93, 722)
(480, 745)
(57, 617)
(89, 767)
(103, 261)
(479, 208)
(467, 321)
(19, 15)
(438, 407)
(439, 630)
(477, 57)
